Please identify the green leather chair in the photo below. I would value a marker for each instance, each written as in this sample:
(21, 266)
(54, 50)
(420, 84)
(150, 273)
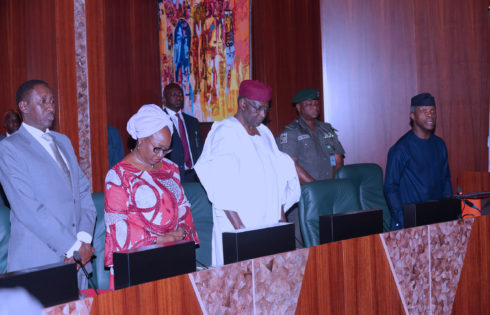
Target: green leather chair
(4, 236)
(100, 274)
(202, 214)
(324, 197)
(368, 179)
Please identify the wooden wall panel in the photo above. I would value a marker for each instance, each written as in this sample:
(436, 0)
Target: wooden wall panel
(97, 92)
(12, 54)
(40, 44)
(29, 49)
(368, 56)
(473, 181)
(42, 48)
(378, 54)
(66, 76)
(286, 53)
(132, 64)
(453, 63)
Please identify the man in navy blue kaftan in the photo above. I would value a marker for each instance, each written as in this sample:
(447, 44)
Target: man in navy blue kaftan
(417, 169)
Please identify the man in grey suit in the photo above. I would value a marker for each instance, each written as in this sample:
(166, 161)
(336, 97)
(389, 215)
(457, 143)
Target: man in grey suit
(53, 214)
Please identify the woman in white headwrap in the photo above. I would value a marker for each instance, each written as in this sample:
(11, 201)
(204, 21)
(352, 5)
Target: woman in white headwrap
(144, 200)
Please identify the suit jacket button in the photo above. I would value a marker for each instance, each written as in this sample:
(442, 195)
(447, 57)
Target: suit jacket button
(73, 225)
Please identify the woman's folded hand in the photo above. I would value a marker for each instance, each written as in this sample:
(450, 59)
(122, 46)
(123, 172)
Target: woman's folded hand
(171, 236)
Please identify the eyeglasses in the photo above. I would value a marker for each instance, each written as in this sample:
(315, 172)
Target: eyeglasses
(257, 110)
(158, 150)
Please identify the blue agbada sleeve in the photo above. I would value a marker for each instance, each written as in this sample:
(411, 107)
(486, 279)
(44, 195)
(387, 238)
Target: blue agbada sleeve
(394, 169)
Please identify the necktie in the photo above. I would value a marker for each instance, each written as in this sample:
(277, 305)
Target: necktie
(185, 144)
(57, 155)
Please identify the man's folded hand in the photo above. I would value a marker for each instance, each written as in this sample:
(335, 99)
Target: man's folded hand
(86, 251)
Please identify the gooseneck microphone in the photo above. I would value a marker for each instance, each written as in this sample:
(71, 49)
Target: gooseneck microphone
(203, 265)
(78, 259)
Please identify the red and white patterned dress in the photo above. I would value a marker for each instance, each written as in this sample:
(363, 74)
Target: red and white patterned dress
(141, 205)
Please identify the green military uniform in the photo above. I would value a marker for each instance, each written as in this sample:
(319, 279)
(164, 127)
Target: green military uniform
(315, 151)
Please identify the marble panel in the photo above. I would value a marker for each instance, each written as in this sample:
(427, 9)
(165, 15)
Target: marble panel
(82, 88)
(225, 290)
(277, 281)
(266, 285)
(79, 307)
(426, 263)
(448, 243)
(408, 253)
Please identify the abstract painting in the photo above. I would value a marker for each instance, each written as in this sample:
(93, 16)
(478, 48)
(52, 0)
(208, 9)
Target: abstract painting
(205, 48)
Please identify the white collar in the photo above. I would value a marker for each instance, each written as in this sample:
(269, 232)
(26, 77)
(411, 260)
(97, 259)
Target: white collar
(171, 112)
(34, 131)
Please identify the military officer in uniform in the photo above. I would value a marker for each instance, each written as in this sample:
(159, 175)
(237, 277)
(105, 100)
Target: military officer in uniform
(312, 144)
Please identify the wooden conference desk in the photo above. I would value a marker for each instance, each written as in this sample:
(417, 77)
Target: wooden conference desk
(440, 269)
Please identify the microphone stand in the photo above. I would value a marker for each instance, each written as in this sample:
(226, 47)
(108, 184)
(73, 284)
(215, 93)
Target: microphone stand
(78, 259)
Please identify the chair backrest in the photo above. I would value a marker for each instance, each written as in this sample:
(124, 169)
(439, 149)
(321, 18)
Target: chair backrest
(202, 215)
(4, 236)
(323, 197)
(101, 275)
(368, 180)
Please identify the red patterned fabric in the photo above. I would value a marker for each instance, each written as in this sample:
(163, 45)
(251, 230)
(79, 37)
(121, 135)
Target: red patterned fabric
(140, 205)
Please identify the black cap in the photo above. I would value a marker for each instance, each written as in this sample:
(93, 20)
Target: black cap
(423, 99)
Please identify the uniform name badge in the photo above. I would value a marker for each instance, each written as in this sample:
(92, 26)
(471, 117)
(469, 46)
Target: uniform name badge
(332, 160)
(283, 138)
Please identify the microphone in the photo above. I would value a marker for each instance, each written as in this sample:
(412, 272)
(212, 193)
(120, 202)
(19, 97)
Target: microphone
(472, 205)
(78, 259)
(203, 265)
(469, 203)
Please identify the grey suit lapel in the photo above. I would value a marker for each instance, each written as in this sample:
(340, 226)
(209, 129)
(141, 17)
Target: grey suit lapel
(38, 149)
(35, 147)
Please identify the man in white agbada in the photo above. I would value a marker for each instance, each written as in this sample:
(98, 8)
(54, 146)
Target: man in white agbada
(248, 180)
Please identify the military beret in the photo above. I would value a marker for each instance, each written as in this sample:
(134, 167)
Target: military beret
(423, 99)
(306, 94)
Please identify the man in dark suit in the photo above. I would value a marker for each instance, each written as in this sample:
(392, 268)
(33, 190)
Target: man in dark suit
(52, 214)
(11, 122)
(186, 139)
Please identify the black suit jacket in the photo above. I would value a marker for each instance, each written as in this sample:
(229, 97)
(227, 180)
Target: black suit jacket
(195, 143)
